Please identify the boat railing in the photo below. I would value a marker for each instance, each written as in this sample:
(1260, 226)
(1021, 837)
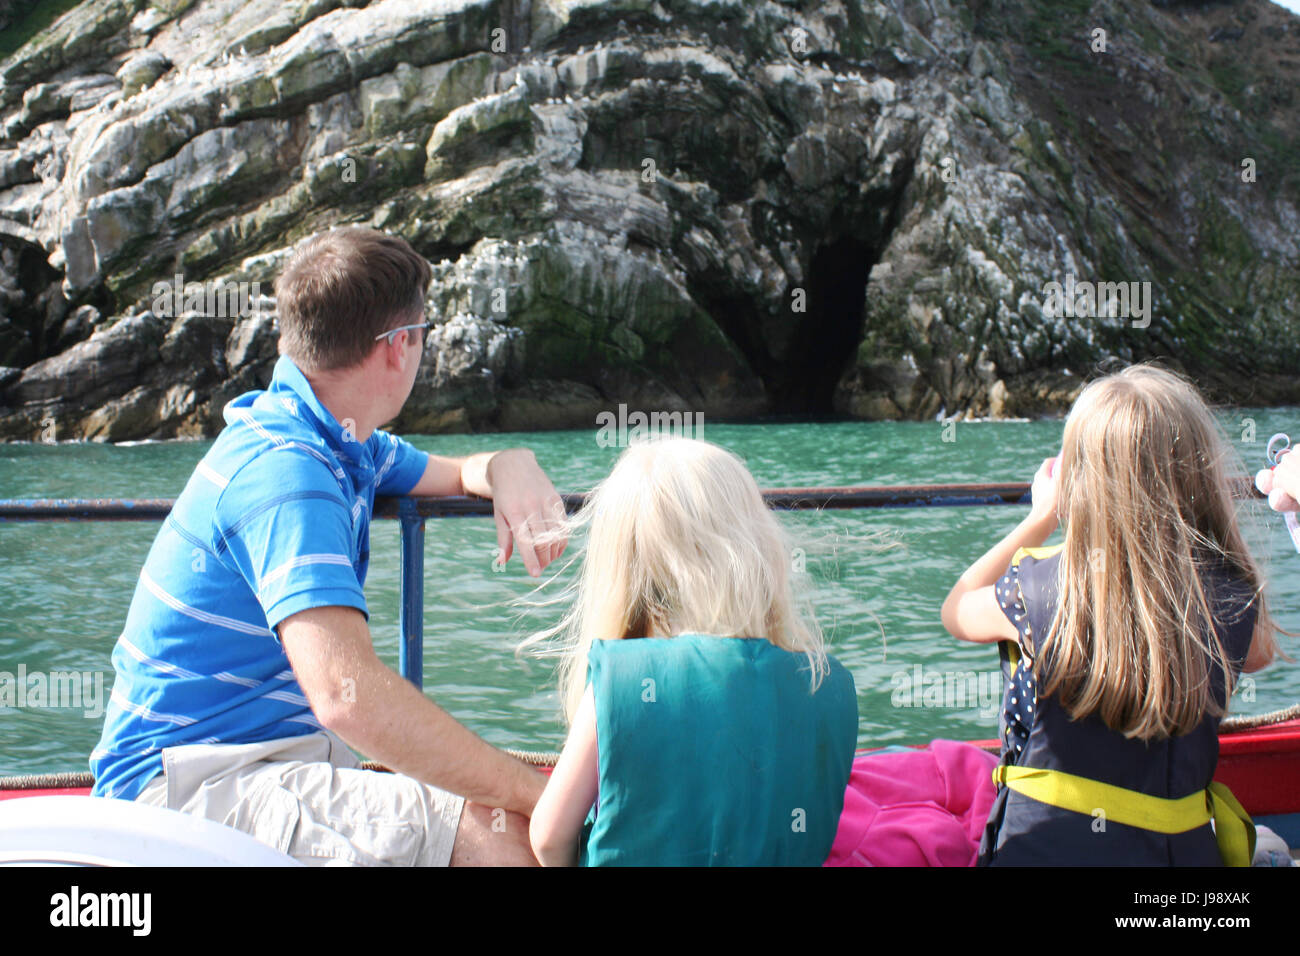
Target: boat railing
(411, 513)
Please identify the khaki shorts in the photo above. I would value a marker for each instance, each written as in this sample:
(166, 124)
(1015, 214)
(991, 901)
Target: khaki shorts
(309, 798)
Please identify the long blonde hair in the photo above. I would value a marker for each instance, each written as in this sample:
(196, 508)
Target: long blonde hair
(679, 541)
(1147, 508)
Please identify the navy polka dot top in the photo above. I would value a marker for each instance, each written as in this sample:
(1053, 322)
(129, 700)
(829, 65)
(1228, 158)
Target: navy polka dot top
(1021, 696)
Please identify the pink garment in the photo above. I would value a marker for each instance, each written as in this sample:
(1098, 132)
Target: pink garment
(920, 808)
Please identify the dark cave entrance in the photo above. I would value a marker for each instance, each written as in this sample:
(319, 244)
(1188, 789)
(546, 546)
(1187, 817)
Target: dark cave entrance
(827, 339)
(822, 340)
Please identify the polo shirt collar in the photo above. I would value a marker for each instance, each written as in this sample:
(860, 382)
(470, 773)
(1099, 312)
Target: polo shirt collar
(290, 386)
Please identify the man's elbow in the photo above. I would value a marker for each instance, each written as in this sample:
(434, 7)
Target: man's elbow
(332, 657)
(337, 711)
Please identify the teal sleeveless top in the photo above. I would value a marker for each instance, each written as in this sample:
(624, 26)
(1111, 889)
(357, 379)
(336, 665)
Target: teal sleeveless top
(715, 752)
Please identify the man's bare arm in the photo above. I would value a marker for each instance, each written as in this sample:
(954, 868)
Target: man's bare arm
(376, 711)
(528, 510)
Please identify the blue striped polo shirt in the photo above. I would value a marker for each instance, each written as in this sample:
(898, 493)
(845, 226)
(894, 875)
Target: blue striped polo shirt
(274, 520)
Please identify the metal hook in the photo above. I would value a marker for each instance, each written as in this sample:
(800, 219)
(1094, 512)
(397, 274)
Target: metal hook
(1276, 456)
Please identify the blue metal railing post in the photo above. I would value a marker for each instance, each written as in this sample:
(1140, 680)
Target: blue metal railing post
(411, 652)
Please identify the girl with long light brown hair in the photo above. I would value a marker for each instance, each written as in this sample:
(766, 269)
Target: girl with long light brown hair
(1126, 640)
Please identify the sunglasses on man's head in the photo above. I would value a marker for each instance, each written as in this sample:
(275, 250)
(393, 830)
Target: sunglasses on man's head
(401, 328)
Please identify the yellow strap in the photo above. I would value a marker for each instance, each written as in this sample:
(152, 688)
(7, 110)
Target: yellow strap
(1234, 832)
(1129, 807)
(1233, 828)
(1038, 554)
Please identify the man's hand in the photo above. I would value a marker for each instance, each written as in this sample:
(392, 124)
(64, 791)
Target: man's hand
(528, 509)
(1281, 484)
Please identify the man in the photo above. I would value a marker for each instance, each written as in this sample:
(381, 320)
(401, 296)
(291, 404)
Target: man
(246, 655)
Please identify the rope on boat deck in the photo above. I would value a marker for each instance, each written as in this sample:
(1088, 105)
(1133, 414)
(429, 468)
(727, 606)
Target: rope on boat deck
(48, 781)
(77, 779)
(1245, 722)
(535, 758)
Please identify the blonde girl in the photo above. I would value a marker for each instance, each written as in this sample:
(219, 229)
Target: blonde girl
(1130, 636)
(708, 726)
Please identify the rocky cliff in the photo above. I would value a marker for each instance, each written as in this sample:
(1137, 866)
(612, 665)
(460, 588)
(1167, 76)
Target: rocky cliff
(735, 207)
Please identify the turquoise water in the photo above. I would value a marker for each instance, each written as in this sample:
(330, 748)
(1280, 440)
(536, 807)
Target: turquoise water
(876, 577)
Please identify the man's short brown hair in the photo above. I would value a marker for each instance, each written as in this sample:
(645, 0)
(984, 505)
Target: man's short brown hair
(341, 289)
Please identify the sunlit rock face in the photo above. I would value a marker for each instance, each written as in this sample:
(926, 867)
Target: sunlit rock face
(734, 208)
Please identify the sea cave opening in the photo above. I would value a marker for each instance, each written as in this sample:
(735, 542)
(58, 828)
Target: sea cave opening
(815, 350)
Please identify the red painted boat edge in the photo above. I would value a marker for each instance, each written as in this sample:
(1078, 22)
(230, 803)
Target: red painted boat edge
(1260, 765)
(63, 792)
